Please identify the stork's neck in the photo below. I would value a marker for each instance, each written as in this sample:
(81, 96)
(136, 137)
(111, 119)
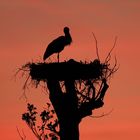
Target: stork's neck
(68, 37)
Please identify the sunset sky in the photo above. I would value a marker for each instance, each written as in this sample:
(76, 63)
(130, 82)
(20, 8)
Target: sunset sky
(27, 26)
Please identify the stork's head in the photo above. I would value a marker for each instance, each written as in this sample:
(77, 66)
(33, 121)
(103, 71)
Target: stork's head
(66, 30)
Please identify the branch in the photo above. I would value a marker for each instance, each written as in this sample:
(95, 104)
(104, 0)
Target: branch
(87, 107)
(102, 115)
(111, 48)
(23, 137)
(96, 42)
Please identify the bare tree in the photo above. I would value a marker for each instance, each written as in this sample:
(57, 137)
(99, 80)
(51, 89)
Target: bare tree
(75, 90)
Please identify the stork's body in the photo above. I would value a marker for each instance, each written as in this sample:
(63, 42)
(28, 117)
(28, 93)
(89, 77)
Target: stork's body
(57, 45)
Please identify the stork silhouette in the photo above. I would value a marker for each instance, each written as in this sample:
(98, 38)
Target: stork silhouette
(58, 44)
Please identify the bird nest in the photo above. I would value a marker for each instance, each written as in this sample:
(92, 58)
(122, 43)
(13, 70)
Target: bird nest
(83, 73)
(69, 70)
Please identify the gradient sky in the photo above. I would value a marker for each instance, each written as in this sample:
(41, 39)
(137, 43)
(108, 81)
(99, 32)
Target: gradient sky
(27, 26)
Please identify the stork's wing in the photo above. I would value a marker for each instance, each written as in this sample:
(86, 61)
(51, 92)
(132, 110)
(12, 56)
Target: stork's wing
(54, 47)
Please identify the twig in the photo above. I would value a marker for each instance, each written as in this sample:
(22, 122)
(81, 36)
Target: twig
(96, 42)
(24, 88)
(114, 69)
(25, 84)
(99, 91)
(22, 137)
(111, 48)
(104, 114)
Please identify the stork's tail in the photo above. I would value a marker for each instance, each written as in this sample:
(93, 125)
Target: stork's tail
(46, 55)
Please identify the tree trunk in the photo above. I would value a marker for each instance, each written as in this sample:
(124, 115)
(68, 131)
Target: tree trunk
(65, 105)
(69, 130)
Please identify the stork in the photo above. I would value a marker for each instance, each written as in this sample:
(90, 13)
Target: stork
(58, 44)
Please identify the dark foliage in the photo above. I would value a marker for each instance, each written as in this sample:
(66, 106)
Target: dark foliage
(49, 125)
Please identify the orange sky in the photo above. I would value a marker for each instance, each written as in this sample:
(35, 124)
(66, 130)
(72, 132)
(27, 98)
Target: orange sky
(27, 26)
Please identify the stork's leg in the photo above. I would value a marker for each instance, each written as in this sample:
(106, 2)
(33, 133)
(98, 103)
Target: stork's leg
(58, 57)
